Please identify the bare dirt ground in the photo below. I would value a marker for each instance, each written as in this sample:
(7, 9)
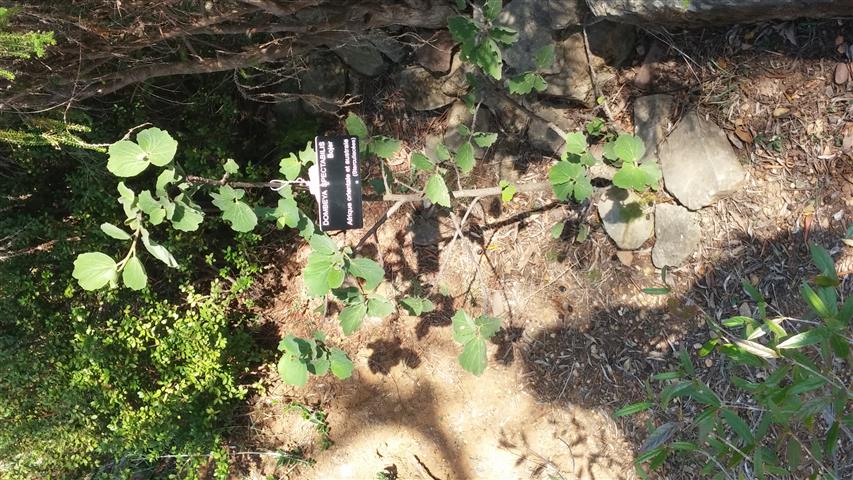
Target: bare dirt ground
(579, 336)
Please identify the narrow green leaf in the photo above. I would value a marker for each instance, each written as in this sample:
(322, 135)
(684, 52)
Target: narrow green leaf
(557, 230)
(823, 261)
(632, 409)
(738, 425)
(804, 339)
(158, 251)
(815, 302)
(114, 231)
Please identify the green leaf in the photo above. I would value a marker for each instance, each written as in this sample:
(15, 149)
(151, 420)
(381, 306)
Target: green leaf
(652, 174)
(379, 307)
(657, 290)
(185, 217)
(815, 302)
(351, 317)
(583, 188)
(231, 167)
(323, 244)
(504, 35)
(462, 28)
(463, 130)
(126, 159)
(524, 83)
(127, 199)
(564, 172)
(147, 203)
(133, 275)
(576, 143)
(755, 348)
(384, 147)
(630, 177)
(658, 437)
(823, 261)
(436, 191)
(422, 162)
(369, 270)
(632, 409)
(158, 251)
(159, 146)
(322, 273)
(417, 306)
(628, 148)
(485, 139)
(738, 425)
(286, 212)
(544, 57)
(488, 56)
(307, 156)
(292, 370)
(241, 216)
(464, 328)
(473, 356)
(488, 326)
(442, 152)
(492, 8)
(356, 126)
(94, 270)
(557, 230)
(114, 231)
(290, 167)
(465, 157)
(340, 364)
(507, 191)
(166, 177)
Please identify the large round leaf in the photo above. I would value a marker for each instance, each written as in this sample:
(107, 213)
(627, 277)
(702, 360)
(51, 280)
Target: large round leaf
(127, 159)
(94, 270)
(158, 145)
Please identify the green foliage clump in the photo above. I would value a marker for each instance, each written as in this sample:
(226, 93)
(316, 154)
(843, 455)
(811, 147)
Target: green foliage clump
(20, 45)
(790, 406)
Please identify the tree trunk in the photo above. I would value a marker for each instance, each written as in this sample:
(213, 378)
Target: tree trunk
(686, 12)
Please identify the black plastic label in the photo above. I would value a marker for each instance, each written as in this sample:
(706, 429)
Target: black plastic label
(339, 199)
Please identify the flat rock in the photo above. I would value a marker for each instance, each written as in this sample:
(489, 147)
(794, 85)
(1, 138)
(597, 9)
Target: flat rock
(388, 46)
(626, 220)
(677, 235)
(531, 21)
(421, 89)
(651, 120)
(610, 45)
(436, 55)
(698, 163)
(541, 136)
(362, 57)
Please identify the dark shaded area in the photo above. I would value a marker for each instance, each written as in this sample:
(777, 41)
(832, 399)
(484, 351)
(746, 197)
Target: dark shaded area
(389, 353)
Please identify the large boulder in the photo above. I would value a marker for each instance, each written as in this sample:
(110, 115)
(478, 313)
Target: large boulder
(698, 163)
(679, 12)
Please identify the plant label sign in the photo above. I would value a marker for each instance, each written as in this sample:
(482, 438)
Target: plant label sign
(335, 181)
